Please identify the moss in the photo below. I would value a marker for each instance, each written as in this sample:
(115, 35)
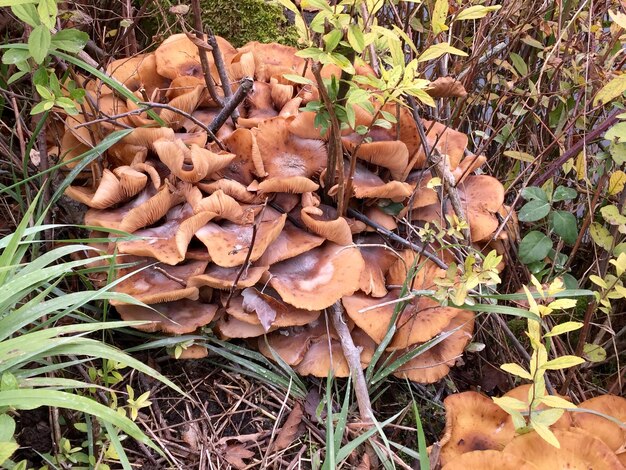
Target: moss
(242, 21)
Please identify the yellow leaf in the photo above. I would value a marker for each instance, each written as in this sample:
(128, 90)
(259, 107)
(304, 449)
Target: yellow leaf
(563, 362)
(611, 90)
(523, 156)
(601, 236)
(556, 402)
(580, 167)
(516, 370)
(619, 18)
(476, 12)
(440, 13)
(510, 403)
(617, 182)
(564, 328)
(437, 50)
(546, 434)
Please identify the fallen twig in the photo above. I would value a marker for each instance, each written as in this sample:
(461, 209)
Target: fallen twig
(244, 88)
(204, 60)
(353, 357)
(218, 59)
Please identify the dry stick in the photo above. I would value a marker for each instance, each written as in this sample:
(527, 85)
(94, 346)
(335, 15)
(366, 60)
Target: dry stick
(353, 357)
(435, 158)
(195, 120)
(218, 59)
(335, 147)
(577, 147)
(202, 51)
(244, 88)
(396, 238)
(244, 266)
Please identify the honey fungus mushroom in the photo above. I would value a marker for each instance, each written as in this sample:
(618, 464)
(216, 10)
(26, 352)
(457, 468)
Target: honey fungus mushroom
(237, 232)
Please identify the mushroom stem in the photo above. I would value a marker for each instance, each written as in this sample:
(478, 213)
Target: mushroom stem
(221, 69)
(204, 60)
(244, 88)
(353, 357)
(389, 234)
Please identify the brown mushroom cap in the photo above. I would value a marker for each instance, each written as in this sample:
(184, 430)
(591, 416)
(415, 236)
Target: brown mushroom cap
(178, 317)
(390, 154)
(146, 209)
(195, 351)
(473, 423)
(256, 307)
(248, 162)
(433, 364)
(378, 260)
(286, 155)
(578, 451)
(318, 278)
(233, 189)
(138, 72)
(369, 185)
(167, 242)
(311, 351)
(187, 103)
(291, 242)
(609, 432)
(481, 197)
(448, 141)
(178, 56)
(115, 186)
(228, 326)
(157, 284)
(488, 460)
(421, 320)
(269, 56)
(323, 221)
(228, 243)
(224, 278)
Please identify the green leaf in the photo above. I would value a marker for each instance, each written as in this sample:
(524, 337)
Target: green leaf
(332, 39)
(564, 225)
(39, 43)
(70, 40)
(295, 78)
(561, 193)
(534, 210)
(516, 370)
(6, 450)
(27, 13)
(24, 399)
(594, 352)
(564, 328)
(41, 107)
(476, 12)
(535, 246)
(563, 362)
(15, 77)
(437, 50)
(611, 90)
(355, 38)
(310, 53)
(342, 62)
(534, 193)
(617, 133)
(13, 56)
(519, 64)
(48, 11)
(7, 429)
(612, 215)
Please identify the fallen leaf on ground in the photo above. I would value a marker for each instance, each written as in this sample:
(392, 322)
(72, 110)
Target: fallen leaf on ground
(235, 454)
(290, 430)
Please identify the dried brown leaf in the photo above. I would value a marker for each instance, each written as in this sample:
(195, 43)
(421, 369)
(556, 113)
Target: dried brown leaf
(291, 429)
(234, 455)
(365, 463)
(265, 306)
(447, 87)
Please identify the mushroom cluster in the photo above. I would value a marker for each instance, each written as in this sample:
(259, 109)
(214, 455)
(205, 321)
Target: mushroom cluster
(480, 434)
(234, 230)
